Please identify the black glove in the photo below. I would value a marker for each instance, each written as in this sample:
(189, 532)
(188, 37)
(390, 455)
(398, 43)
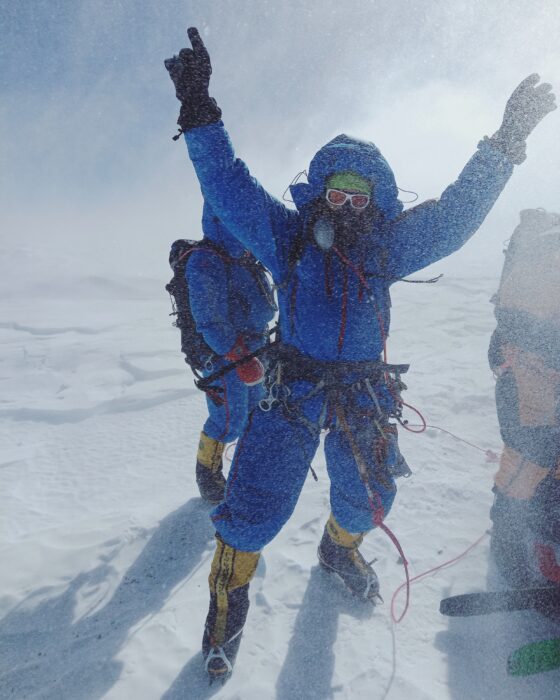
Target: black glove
(190, 73)
(525, 108)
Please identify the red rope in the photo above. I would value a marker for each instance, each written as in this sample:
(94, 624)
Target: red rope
(328, 276)
(361, 288)
(360, 275)
(378, 515)
(491, 456)
(407, 426)
(363, 281)
(227, 456)
(378, 512)
(227, 410)
(344, 311)
(408, 581)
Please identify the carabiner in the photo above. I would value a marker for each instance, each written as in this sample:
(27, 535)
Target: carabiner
(266, 404)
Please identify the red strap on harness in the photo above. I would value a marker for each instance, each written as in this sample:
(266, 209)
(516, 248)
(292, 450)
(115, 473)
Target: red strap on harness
(547, 562)
(344, 310)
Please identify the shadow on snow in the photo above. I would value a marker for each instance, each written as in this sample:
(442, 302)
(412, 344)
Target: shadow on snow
(43, 653)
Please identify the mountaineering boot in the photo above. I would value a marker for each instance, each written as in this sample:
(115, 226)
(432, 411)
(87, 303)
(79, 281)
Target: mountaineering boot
(339, 554)
(209, 466)
(229, 580)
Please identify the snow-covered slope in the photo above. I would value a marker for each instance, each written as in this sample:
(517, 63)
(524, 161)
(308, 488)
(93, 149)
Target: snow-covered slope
(106, 548)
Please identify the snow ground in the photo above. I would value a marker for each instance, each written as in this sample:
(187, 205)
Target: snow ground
(106, 548)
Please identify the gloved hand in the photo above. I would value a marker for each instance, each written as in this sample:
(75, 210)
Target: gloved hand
(190, 73)
(250, 372)
(528, 104)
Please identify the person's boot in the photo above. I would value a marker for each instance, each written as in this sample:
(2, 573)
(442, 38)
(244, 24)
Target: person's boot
(231, 572)
(209, 477)
(338, 553)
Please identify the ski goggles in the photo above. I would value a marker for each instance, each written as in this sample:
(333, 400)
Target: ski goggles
(338, 198)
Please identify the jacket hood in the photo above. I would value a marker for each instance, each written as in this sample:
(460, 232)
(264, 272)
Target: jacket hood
(343, 154)
(214, 230)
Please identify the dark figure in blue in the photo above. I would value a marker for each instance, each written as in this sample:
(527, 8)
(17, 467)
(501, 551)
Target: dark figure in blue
(231, 303)
(333, 259)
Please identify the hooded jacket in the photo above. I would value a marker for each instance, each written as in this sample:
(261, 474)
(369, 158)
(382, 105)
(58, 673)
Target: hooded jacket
(337, 306)
(229, 295)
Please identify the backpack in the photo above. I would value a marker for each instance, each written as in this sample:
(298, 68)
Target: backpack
(530, 274)
(526, 303)
(193, 345)
(197, 352)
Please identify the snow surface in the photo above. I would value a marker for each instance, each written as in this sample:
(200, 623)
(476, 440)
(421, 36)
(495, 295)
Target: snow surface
(106, 548)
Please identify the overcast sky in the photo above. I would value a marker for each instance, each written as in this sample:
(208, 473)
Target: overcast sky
(87, 110)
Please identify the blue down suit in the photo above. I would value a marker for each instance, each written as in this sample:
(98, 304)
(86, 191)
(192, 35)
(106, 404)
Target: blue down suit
(229, 298)
(334, 310)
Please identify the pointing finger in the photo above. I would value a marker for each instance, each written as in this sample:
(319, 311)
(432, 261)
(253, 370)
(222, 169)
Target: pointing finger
(198, 45)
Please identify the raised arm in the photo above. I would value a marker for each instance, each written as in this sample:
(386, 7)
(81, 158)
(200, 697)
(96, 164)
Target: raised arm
(252, 215)
(437, 228)
(247, 210)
